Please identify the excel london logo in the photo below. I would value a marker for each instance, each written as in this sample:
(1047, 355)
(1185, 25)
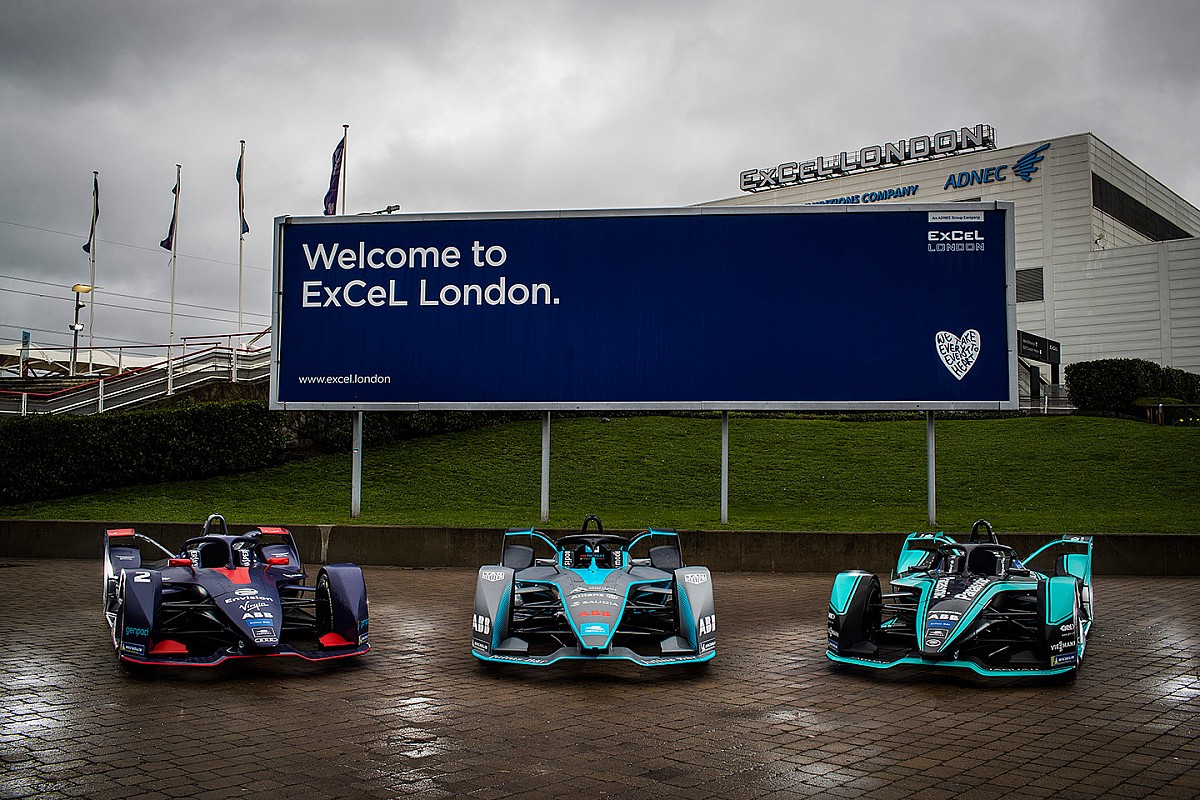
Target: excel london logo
(1023, 168)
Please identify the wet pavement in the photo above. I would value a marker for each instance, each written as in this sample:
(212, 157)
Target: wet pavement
(419, 717)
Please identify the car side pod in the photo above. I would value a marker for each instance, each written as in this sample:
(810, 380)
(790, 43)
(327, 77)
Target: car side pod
(854, 614)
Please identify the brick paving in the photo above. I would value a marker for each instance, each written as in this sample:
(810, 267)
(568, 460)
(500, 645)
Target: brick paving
(419, 717)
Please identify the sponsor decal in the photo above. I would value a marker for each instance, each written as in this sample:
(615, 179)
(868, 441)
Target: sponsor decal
(257, 615)
(1068, 628)
(707, 624)
(130, 631)
(260, 623)
(941, 587)
(362, 626)
(1065, 644)
(695, 578)
(940, 623)
(253, 596)
(833, 645)
(362, 638)
(590, 602)
(977, 586)
(481, 624)
(1064, 658)
(492, 576)
(246, 592)
(254, 605)
(136, 649)
(594, 629)
(934, 643)
(125, 558)
(594, 613)
(477, 645)
(711, 644)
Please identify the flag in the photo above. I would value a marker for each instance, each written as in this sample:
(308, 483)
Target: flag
(87, 248)
(241, 192)
(169, 242)
(331, 197)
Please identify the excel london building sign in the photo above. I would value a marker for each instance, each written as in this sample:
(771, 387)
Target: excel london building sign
(875, 156)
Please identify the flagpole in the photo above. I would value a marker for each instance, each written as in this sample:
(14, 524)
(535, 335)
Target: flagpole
(174, 255)
(92, 278)
(241, 230)
(345, 147)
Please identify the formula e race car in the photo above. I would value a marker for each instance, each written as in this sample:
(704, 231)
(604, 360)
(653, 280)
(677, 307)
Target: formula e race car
(593, 596)
(226, 596)
(973, 605)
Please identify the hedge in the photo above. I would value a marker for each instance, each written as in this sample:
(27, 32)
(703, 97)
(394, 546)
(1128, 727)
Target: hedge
(45, 456)
(1114, 385)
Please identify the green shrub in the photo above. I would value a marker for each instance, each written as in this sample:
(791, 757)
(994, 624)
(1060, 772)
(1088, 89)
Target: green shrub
(1115, 385)
(51, 456)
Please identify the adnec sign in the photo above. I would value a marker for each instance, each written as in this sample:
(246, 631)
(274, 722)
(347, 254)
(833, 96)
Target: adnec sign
(909, 307)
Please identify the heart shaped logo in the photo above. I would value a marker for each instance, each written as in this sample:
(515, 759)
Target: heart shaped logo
(958, 353)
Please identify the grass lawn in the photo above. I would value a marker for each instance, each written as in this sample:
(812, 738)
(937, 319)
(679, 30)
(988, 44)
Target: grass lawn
(1056, 474)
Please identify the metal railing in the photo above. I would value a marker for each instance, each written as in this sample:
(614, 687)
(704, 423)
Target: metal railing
(196, 363)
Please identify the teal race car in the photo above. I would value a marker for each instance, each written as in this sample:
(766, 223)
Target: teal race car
(973, 605)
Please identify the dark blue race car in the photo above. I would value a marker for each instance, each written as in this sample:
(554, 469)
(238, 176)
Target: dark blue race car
(593, 596)
(225, 596)
(973, 605)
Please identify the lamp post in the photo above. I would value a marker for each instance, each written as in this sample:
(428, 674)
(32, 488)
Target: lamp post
(77, 326)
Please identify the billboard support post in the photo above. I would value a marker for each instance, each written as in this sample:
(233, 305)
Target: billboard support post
(930, 458)
(724, 467)
(546, 466)
(356, 467)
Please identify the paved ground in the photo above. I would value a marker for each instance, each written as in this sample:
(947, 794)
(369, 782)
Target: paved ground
(418, 717)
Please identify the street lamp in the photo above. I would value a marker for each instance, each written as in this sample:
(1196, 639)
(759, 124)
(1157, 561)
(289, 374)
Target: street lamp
(77, 326)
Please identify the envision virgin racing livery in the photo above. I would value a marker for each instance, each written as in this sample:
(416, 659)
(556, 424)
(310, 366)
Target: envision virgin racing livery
(228, 597)
(594, 597)
(973, 605)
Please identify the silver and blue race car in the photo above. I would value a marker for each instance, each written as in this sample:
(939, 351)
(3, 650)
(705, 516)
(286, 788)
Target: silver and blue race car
(593, 596)
(972, 605)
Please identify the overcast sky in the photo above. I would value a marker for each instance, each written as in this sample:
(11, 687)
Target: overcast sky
(475, 106)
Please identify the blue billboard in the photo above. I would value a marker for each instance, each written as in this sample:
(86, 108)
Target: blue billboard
(746, 308)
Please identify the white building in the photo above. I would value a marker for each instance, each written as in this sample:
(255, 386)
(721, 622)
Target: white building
(1108, 259)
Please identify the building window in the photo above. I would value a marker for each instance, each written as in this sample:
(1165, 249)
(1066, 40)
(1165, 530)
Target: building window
(1123, 208)
(1029, 285)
